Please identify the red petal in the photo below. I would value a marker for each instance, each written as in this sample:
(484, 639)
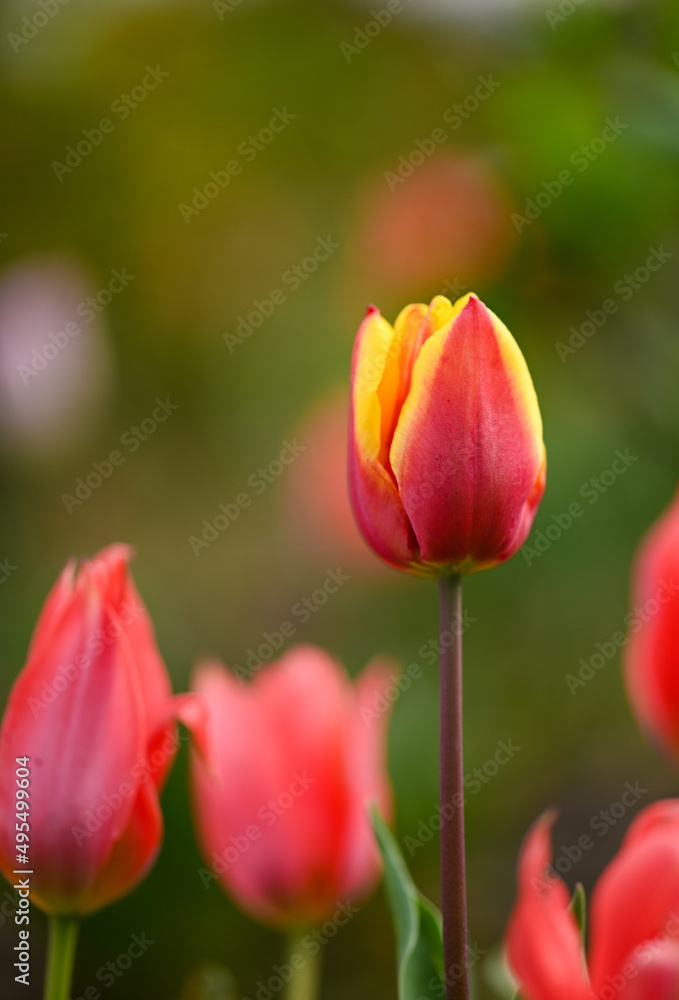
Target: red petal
(132, 855)
(374, 497)
(543, 941)
(81, 723)
(467, 452)
(653, 648)
(637, 897)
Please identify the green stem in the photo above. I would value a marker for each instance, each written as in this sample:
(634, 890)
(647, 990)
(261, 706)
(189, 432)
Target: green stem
(306, 978)
(453, 880)
(61, 945)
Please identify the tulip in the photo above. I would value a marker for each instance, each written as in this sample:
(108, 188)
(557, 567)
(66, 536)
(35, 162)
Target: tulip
(446, 472)
(634, 935)
(652, 650)
(446, 459)
(298, 754)
(94, 713)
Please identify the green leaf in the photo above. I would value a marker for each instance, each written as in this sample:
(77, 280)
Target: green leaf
(417, 923)
(497, 976)
(578, 908)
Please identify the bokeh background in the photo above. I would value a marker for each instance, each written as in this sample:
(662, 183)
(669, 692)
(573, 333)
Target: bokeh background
(554, 74)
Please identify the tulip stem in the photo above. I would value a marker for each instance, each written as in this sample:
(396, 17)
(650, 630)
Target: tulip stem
(453, 879)
(306, 966)
(62, 941)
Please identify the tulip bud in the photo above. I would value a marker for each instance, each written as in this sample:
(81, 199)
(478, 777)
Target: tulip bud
(652, 652)
(446, 459)
(298, 756)
(93, 712)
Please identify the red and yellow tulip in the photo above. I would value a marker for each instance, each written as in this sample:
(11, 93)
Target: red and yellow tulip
(446, 458)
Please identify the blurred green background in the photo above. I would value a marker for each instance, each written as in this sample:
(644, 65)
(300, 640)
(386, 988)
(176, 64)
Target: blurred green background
(361, 102)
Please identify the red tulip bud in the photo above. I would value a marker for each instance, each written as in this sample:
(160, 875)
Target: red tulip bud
(94, 713)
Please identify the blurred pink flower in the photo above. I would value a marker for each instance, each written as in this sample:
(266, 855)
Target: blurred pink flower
(448, 221)
(298, 755)
(52, 379)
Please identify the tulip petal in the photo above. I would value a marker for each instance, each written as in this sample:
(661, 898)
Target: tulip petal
(304, 704)
(92, 712)
(131, 856)
(374, 496)
(651, 972)
(653, 648)
(112, 564)
(248, 773)
(413, 327)
(543, 941)
(467, 452)
(637, 897)
(285, 772)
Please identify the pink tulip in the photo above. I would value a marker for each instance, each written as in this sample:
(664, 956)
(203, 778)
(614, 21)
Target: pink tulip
(94, 712)
(634, 920)
(298, 756)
